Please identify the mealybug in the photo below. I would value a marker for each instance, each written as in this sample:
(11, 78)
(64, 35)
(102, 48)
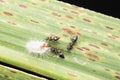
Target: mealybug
(37, 47)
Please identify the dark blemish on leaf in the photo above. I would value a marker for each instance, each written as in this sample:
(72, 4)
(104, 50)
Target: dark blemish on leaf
(55, 14)
(42, 0)
(13, 71)
(12, 23)
(69, 31)
(61, 23)
(117, 73)
(6, 76)
(78, 33)
(79, 48)
(116, 36)
(119, 55)
(87, 20)
(109, 28)
(94, 46)
(74, 12)
(69, 17)
(92, 57)
(1, 0)
(118, 77)
(22, 6)
(107, 69)
(34, 21)
(94, 32)
(94, 70)
(34, 3)
(8, 13)
(113, 36)
(65, 35)
(90, 14)
(65, 9)
(83, 48)
(104, 44)
(72, 27)
(72, 75)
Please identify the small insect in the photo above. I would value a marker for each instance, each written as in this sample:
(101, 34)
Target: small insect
(61, 55)
(70, 45)
(74, 39)
(53, 38)
(57, 52)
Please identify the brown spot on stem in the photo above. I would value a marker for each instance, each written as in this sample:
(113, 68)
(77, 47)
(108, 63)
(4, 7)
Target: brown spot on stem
(13, 71)
(118, 77)
(113, 36)
(1, 0)
(79, 48)
(34, 3)
(22, 6)
(65, 9)
(74, 12)
(83, 48)
(43, 0)
(116, 36)
(61, 23)
(109, 28)
(104, 44)
(87, 20)
(72, 27)
(34, 21)
(119, 55)
(69, 31)
(65, 35)
(107, 69)
(12, 23)
(94, 46)
(94, 70)
(56, 14)
(94, 32)
(6, 76)
(90, 14)
(69, 17)
(8, 13)
(76, 31)
(117, 73)
(92, 57)
(72, 75)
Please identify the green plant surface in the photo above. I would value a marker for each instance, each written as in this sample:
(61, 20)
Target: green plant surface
(95, 56)
(7, 73)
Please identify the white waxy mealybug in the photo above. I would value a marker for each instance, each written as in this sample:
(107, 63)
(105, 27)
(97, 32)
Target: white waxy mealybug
(37, 47)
